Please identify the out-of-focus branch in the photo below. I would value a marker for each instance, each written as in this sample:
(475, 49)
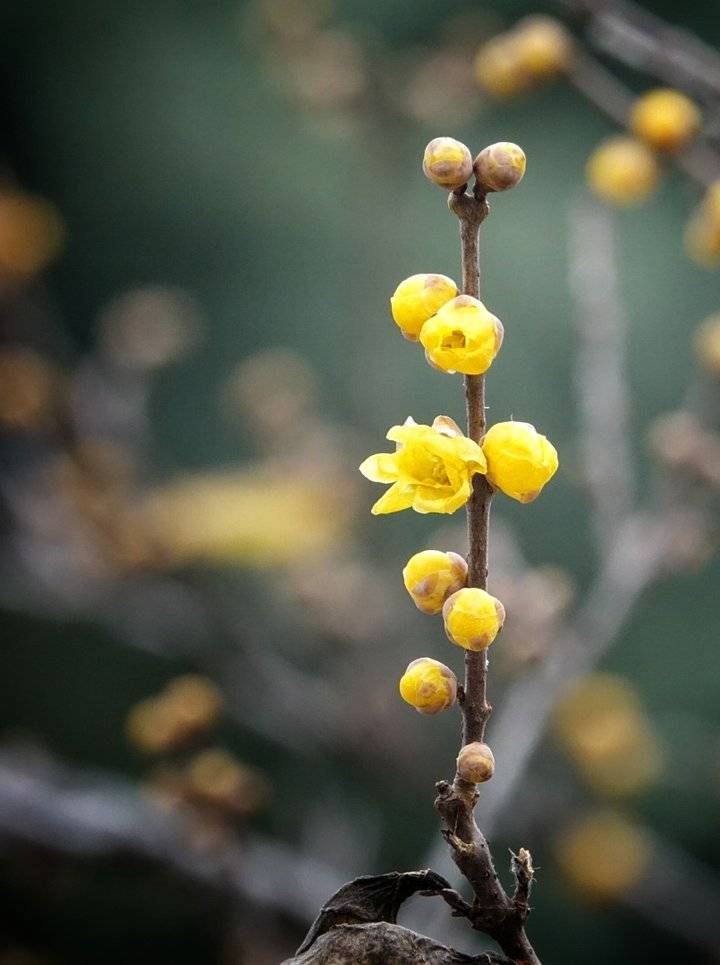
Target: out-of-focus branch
(94, 814)
(642, 40)
(602, 89)
(600, 384)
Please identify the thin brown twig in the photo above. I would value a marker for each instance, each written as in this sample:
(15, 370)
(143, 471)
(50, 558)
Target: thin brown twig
(493, 911)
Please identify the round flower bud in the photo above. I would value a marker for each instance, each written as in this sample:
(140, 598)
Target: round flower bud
(473, 618)
(417, 299)
(430, 577)
(665, 119)
(499, 67)
(462, 337)
(544, 45)
(499, 166)
(428, 686)
(447, 163)
(475, 763)
(520, 460)
(622, 171)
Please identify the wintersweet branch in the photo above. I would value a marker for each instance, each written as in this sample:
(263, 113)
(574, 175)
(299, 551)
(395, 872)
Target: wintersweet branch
(437, 469)
(493, 910)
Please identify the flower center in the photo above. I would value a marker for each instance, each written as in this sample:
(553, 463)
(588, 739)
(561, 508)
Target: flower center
(455, 339)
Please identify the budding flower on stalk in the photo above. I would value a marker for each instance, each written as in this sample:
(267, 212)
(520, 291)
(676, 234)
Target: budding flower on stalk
(431, 576)
(462, 337)
(520, 460)
(475, 763)
(622, 171)
(417, 299)
(473, 618)
(665, 119)
(447, 163)
(428, 686)
(499, 166)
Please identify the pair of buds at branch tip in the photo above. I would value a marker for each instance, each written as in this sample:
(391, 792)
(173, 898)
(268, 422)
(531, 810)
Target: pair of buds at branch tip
(449, 164)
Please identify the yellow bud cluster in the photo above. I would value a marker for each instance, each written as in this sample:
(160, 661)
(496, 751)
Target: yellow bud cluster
(428, 686)
(623, 171)
(473, 618)
(537, 49)
(430, 577)
(520, 461)
(665, 119)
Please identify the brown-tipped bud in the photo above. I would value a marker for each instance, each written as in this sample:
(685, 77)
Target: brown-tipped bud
(499, 166)
(447, 163)
(428, 686)
(475, 763)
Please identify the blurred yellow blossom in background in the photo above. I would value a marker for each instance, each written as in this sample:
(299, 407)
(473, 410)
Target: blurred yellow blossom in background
(603, 854)
(600, 724)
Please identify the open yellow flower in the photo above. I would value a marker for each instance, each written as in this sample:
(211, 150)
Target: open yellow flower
(430, 471)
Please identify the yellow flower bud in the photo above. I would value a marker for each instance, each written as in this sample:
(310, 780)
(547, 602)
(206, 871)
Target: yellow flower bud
(603, 855)
(462, 337)
(544, 45)
(476, 763)
(499, 67)
(473, 618)
(447, 163)
(417, 299)
(707, 344)
(622, 171)
(665, 119)
(428, 686)
(520, 460)
(430, 577)
(499, 166)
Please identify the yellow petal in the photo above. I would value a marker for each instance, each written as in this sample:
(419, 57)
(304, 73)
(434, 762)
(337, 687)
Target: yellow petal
(396, 498)
(381, 467)
(471, 453)
(429, 500)
(407, 431)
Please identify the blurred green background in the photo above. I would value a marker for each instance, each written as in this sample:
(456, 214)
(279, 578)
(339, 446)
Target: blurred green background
(182, 152)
